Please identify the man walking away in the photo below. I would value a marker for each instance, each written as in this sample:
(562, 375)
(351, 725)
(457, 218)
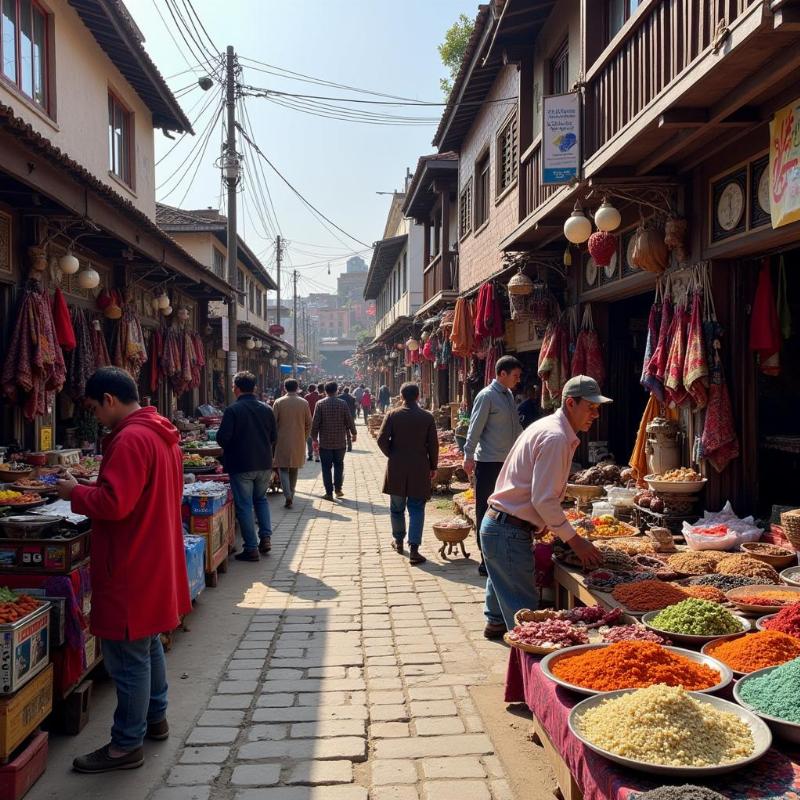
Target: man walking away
(329, 429)
(140, 588)
(358, 394)
(247, 435)
(351, 405)
(312, 396)
(408, 439)
(366, 404)
(527, 503)
(293, 420)
(384, 398)
(493, 429)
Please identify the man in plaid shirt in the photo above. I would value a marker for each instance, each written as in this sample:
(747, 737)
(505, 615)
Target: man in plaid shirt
(332, 421)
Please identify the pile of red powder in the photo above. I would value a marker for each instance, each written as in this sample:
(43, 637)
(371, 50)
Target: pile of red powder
(787, 620)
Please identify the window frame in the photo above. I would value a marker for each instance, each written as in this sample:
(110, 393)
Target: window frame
(114, 100)
(465, 209)
(627, 14)
(509, 123)
(559, 59)
(478, 221)
(218, 262)
(16, 84)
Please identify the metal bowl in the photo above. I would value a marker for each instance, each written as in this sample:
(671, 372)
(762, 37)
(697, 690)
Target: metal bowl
(746, 591)
(781, 727)
(674, 487)
(791, 576)
(688, 638)
(725, 673)
(583, 493)
(762, 738)
(761, 620)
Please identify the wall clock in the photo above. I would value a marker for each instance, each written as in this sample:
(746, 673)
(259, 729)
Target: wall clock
(590, 275)
(729, 205)
(759, 192)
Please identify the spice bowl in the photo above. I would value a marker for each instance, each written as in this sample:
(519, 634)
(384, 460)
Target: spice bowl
(693, 639)
(674, 487)
(762, 737)
(777, 561)
(780, 727)
(546, 664)
(761, 620)
(791, 576)
(735, 595)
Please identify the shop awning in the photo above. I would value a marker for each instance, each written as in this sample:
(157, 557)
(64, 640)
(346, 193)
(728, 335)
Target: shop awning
(384, 257)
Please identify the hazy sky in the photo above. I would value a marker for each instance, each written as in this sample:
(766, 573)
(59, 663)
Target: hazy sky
(382, 45)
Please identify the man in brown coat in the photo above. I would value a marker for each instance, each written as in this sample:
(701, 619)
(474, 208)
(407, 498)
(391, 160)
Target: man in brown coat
(408, 439)
(293, 418)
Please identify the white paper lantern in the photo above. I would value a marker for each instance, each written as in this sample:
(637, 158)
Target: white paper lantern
(273, 362)
(259, 344)
(412, 344)
(154, 304)
(249, 343)
(577, 228)
(68, 264)
(607, 218)
(88, 278)
(166, 311)
(163, 301)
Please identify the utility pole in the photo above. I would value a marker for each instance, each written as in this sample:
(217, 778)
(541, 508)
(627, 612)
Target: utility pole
(305, 331)
(294, 322)
(230, 171)
(278, 255)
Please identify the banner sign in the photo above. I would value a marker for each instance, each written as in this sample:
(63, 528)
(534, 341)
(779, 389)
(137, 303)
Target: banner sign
(561, 138)
(784, 165)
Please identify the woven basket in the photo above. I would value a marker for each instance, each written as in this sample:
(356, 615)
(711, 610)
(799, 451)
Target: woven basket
(526, 615)
(529, 648)
(451, 535)
(790, 522)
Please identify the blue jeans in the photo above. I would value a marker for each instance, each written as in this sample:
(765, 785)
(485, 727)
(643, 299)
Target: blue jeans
(249, 494)
(416, 517)
(332, 460)
(139, 672)
(310, 448)
(511, 585)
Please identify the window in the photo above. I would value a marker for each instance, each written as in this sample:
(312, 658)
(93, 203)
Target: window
(120, 132)
(218, 263)
(23, 47)
(252, 296)
(559, 70)
(619, 12)
(465, 210)
(507, 155)
(240, 286)
(258, 302)
(482, 189)
(405, 272)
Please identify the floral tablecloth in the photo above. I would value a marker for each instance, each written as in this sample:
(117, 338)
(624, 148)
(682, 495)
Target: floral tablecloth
(774, 777)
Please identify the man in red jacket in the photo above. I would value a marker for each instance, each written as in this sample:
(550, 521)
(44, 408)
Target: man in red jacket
(139, 583)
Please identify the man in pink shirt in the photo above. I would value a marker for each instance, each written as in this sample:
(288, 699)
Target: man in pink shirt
(527, 502)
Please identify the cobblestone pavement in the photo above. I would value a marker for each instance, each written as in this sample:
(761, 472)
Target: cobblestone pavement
(352, 678)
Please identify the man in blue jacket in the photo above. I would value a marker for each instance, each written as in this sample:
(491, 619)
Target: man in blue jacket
(248, 434)
(493, 429)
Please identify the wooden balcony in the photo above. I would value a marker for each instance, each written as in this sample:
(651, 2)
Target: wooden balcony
(441, 275)
(532, 192)
(660, 45)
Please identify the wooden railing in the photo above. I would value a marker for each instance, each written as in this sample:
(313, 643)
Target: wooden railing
(532, 193)
(441, 275)
(660, 45)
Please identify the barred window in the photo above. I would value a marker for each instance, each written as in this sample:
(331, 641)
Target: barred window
(507, 155)
(482, 189)
(465, 210)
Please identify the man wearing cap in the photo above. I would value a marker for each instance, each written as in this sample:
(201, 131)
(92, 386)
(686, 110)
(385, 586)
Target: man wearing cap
(527, 503)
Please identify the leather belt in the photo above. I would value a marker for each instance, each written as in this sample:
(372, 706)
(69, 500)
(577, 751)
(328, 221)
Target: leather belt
(509, 519)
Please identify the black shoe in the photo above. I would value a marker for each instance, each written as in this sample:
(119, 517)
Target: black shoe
(101, 761)
(339, 493)
(287, 504)
(265, 545)
(494, 631)
(397, 546)
(248, 555)
(482, 570)
(416, 557)
(328, 497)
(310, 458)
(158, 731)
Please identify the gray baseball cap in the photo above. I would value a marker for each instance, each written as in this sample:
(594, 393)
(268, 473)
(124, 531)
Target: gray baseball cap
(585, 387)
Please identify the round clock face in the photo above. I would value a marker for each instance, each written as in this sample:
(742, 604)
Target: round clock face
(629, 251)
(591, 272)
(763, 191)
(611, 268)
(730, 206)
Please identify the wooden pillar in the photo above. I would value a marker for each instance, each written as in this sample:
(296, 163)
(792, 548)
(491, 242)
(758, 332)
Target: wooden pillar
(426, 247)
(447, 282)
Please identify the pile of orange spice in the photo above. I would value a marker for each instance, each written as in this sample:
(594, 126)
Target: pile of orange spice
(650, 595)
(633, 665)
(755, 651)
(710, 593)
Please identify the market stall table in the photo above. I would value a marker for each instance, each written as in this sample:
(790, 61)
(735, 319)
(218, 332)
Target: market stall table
(583, 775)
(570, 590)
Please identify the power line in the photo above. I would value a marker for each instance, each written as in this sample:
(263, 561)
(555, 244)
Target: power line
(180, 139)
(296, 191)
(346, 115)
(194, 46)
(175, 41)
(190, 9)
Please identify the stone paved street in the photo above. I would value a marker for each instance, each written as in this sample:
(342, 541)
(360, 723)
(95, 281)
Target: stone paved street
(352, 677)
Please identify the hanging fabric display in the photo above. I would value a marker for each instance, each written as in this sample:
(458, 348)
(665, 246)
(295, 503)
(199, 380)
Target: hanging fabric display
(765, 331)
(65, 332)
(154, 359)
(587, 358)
(653, 324)
(554, 364)
(488, 312)
(695, 365)
(461, 336)
(673, 384)
(34, 366)
(784, 311)
(657, 368)
(80, 362)
(99, 346)
(199, 359)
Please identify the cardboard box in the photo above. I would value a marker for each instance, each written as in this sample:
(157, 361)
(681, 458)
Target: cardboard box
(214, 529)
(24, 648)
(206, 505)
(21, 713)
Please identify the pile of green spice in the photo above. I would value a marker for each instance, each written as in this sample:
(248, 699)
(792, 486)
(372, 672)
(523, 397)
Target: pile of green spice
(777, 693)
(697, 618)
(685, 792)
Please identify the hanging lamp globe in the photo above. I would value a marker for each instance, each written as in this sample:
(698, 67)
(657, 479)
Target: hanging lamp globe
(68, 264)
(89, 278)
(520, 284)
(602, 246)
(249, 343)
(166, 311)
(154, 304)
(163, 301)
(412, 344)
(607, 218)
(577, 228)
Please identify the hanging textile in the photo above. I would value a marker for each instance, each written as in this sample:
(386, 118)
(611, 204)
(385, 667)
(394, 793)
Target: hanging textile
(638, 460)
(461, 337)
(653, 324)
(695, 365)
(99, 346)
(587, 359)
(554, 364)
(765, 331)
(673, 384)
(657, 368)
(784, 311)
(488, 312)
(34, 365)
(134, 350)
(80, 362)
(65, 332)
(154, 359)
(199, 361)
